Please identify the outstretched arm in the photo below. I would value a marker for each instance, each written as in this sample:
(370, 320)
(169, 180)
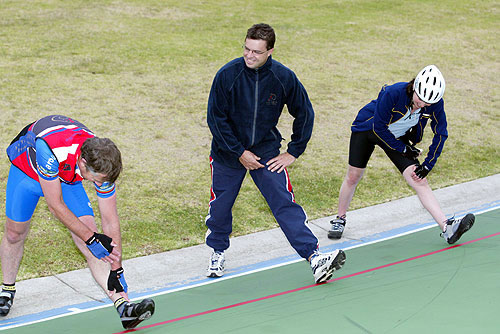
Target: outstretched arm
(111, 226)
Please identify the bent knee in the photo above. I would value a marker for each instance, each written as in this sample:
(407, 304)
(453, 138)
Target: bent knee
(421, 183)
(353, 176)
(13, 236)
(16, 231)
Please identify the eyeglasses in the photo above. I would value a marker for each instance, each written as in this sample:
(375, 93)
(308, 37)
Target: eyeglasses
(257, 52)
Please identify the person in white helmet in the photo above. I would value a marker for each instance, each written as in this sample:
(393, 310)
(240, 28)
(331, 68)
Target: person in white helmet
(395, 122)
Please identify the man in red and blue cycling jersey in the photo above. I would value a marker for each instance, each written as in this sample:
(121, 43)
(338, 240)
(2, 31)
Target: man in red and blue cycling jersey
(50, 158)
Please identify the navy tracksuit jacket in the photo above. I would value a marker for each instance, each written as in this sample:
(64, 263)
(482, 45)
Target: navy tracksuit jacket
(244, 107)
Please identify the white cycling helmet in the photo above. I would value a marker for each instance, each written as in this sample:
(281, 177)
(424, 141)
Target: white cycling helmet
(429, 84)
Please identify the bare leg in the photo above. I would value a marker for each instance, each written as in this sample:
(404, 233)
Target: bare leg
(351, 180)
(131, 314)
(100, 270)
(12, 248)
(426, 196)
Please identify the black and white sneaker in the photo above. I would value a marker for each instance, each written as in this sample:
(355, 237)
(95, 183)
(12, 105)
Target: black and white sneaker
(323, 265)
(456, 227)
(6, 301)
(337, 228)
(134, 313)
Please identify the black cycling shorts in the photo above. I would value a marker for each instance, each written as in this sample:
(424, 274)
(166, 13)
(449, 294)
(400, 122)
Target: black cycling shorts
(361, 148)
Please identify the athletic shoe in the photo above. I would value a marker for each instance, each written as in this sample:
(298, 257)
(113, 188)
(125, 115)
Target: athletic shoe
(216, 264)
(337, 228)
(6, 300)
(456, 227)
(323, 265)
(134, 313)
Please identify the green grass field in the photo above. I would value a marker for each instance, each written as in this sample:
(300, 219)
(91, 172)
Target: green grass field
(139, 72)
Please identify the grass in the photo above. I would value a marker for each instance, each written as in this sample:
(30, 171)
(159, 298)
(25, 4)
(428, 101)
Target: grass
(139, 72)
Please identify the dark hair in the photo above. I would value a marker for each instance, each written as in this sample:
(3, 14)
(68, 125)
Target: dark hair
(102, 156)
(262, 31)
(409, 88)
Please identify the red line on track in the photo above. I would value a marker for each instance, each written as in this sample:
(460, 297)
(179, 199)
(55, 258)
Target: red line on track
(305, 287)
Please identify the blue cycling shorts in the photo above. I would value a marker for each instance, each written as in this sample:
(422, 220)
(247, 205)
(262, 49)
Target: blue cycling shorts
(23, 194)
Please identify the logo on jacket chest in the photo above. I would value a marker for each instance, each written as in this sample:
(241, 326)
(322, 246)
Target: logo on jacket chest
(272, 100)
(67, 167)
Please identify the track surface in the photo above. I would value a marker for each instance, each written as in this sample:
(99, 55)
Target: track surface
(409, 284)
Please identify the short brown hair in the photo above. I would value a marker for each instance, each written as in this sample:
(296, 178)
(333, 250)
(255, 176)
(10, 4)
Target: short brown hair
(262, 31)
(102, 156)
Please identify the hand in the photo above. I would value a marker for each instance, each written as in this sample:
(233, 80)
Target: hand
(421, 171)
(411, 152)
(101, 246)
(250, 161)
(117, 283)
(280, 162)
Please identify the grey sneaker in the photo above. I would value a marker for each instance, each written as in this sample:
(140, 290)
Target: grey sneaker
(216, 264)
(456, 227)
(337, 227)
(323, 265)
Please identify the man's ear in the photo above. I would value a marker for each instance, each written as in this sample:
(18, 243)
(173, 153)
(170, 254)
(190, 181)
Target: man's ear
(81, 160)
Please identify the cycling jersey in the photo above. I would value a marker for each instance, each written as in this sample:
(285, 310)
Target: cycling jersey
(50, 147)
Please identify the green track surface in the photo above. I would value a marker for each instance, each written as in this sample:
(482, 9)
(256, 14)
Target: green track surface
(453, 291)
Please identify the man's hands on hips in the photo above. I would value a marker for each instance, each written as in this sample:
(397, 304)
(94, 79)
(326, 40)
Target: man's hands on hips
(280, 162)
(250, 161)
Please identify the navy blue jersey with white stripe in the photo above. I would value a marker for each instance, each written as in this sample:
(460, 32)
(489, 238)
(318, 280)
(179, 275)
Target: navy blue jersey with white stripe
(391, 105)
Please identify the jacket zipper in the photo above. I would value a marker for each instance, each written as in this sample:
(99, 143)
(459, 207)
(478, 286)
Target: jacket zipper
(255, 107)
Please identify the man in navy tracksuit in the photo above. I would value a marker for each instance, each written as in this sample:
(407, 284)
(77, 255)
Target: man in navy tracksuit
(246, 100)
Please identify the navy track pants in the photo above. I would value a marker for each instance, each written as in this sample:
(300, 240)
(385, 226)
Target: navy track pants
(276, 189)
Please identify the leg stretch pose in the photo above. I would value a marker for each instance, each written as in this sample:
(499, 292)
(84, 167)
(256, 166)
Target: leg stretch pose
(50, 158)
(395, 121)
(277, 190)
(247, 97)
